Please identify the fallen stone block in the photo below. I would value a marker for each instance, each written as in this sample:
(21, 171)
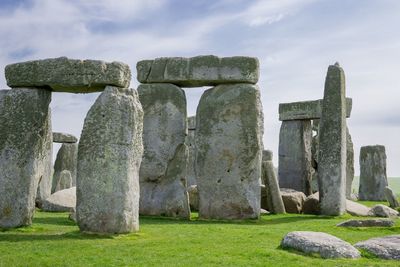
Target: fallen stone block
(387, 247)
(367, 223)
(63, 200)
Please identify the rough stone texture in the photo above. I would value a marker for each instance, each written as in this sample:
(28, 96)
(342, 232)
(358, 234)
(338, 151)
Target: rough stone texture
(193, 197)
(306, 110)
(72, 215)
(165, 159)
(391, 198)
(356, 209)
(44, 187)
(109, 156)
(64, 181)
(191, 175)
(311, 204)
(314, 156)
(68, 75)
(373, 178)
(387, 247)
(380, 210)
(294, 165)
(349, 163)
(332, 144)
(63, 200)
(367, 223)
(23, 149)
(328, 246)
(66, 159)
(199, 71)
(269, 179)
(293, 200)
(229, 147)
(267, 155)
(64, 138)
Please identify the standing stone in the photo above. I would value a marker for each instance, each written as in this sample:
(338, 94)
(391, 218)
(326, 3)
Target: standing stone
(109, 156)
(66, 160)
(24, 117)
(164, 166)
(332, 144)
(229, 133)
(295, 155)
(349, 164)
(314, 156)
(274, 198)
(191, 125)
(44, 187)
(65, 181)
(373, 178)
(391, 198)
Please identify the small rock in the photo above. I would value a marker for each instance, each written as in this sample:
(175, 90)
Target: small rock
(326, 245)
(356, 209)
(387, 247)
(391, 198)
(367, 223)
(63, 200)
(293, 200)
(64, 138)
(383, 211)
(263, 211)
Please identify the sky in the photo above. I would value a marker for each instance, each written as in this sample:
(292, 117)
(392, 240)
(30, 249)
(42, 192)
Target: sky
(295, 41)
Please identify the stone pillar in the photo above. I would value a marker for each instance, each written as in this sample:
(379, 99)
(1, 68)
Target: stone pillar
(295, 155)
(373, 178)
(164, 166)
(269, 179)
(24, 118)
(349, 164)
(191, 176)
(229, 132)
(66, 160)
(332, 144)
(109, 156)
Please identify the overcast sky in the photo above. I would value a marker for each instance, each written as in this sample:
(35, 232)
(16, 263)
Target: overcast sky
(295, 41)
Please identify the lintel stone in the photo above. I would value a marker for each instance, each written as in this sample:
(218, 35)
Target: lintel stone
(64, 138)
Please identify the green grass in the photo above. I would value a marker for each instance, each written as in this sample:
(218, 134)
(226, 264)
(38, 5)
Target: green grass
(53, 240)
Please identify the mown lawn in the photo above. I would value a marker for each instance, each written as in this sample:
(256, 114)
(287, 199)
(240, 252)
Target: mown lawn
(54, 240)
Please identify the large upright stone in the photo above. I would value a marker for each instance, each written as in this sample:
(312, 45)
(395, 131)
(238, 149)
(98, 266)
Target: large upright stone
(109, 156)
(23, 149)
(64, 138)
(373, 178)
(68, 75)
(295, 155)
(191, 175)
(44, 187)
(164, 166)
(349, 164)
(269, 179)
(391, 198)
(66, 159)
(199, 71)
(229, 147)
(332, 144)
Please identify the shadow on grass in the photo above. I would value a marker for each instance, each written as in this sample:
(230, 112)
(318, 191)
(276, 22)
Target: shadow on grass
(54, 221)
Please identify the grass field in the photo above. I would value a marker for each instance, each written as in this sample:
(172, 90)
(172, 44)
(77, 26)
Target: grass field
(53, 240)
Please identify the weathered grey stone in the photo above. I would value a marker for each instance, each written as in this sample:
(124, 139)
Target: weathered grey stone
(306, 110)
(274, 198)
(391, 198)
(357, 209)
(191, 175)
(332, 144)
(387, 247)
(229, 146)
(63, 200)
(314, 156)
(68, 75)
(293, 200)
(109, 156)
(267, 155)
(328, 246)
(311, 204)
(193, 197)
(373, 178)
(349, 164)
(23, 149)
(44, 187)
(64, 181)
(72, 215)
(164, 166)
(294, 165)
(199, 71)
(367, 223)
(380, 210)
(66, 159)
(64, 138)
(263, 211)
